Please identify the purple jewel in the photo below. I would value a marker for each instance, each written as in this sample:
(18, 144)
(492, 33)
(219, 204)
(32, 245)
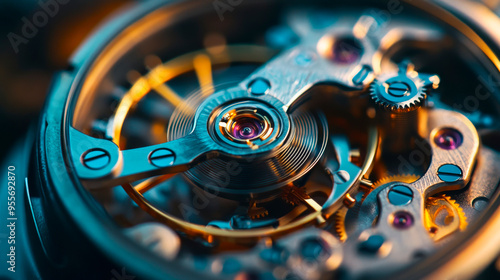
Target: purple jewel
(402, 220)
(347, 51)
(246, 128)
(448, 139)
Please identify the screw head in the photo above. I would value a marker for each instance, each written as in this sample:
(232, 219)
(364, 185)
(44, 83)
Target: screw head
(371, 245)
(96, 159)
(449, 173)
(400, 195)
(398, 89)
(162, 157)
(259, 86)
(341, 176)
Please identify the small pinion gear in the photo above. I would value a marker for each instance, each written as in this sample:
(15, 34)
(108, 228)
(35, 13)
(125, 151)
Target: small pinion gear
(256, 212)
(403, 91)
(294, 195)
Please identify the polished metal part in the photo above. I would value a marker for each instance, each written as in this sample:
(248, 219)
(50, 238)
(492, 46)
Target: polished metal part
(344, 178)
(399, 97)
(377, 206)
(449, 173)
(135, 164)
(400, 195)
(310, 63)
(392, 232)
(259, 86)
(402, 244)
(309, 254)
(404, 91)
(96, 159)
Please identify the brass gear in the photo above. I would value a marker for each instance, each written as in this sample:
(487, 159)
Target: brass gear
(339, 218)
(256, 212)
(406, 178)
(294, 195)
(439, 225)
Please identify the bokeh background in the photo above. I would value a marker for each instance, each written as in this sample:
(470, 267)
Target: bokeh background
(25, 75)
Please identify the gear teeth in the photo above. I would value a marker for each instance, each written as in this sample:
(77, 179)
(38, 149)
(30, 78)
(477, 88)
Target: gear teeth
(294, 195)
(456, 213)
(405, 178)
(460, 210)
(379, 91)
(258, 213)
(432, 204)
(339, 218)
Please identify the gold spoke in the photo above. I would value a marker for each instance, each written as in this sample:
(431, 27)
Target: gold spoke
(170, 95)
(311, 203)
(148, 184)
(203, 68)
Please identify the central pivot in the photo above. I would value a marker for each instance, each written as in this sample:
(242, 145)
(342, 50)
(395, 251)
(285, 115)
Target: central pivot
(247, 124)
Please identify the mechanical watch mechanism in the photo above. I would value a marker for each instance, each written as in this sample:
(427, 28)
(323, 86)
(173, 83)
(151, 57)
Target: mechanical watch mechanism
(314, 141)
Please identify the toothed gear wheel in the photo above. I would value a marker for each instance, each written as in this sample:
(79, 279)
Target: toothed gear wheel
(443, 216)
(293, 195)
(339, 218)
(406, 178)
(403, 91)
(256, 212)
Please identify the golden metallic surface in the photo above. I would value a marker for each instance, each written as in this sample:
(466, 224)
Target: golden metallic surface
(339, 220)
(406, 178)
(371, 151)
(443, 216)
(294, 195)
(146, 185)
(129, 37)
(489, 21)
(480, 250)
(203, 68)
(255, 212)
(349, 201)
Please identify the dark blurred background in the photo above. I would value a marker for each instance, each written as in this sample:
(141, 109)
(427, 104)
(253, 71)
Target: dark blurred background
(27, 64)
